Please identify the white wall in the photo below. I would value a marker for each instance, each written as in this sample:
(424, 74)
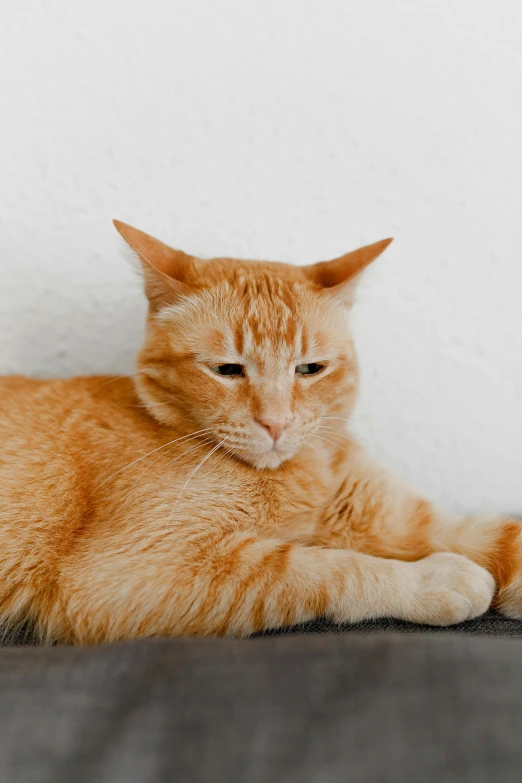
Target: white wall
(291, 130)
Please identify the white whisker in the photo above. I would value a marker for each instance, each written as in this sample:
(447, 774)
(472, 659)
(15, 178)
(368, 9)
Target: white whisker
(338, 418)
(317, 459)
(176, 440)
(357, 438)
(340, 433)
(117, 378)
(111, 380)
(170, 463)
(353, 417)
(143, 406)
(216, 447)
(224, 453)
(158, 402)
(337, 445)
(306, 443)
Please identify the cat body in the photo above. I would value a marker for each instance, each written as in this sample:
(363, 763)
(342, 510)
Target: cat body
(217, 492)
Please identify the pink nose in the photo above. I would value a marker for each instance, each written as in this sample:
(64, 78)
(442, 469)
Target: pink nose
(274, 427)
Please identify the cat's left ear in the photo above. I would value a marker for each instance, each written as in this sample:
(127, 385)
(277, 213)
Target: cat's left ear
(338, 277)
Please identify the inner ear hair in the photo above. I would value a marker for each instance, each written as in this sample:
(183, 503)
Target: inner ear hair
(338, 278)
(167, 272)
(330, 274)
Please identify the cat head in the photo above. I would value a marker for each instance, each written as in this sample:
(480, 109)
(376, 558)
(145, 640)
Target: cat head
(250, 354)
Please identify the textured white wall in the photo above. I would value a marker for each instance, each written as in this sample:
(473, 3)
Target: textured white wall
(291, 130)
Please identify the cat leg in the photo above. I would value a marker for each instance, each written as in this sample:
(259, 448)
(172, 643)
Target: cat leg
(374, 513)
(495, 542)
(246, 585)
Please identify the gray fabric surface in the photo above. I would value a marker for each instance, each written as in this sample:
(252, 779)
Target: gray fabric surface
(375, 708)
(490, 624)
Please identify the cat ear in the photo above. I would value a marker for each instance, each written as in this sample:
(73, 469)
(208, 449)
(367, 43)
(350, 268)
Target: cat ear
(167, 272)
(337, 277)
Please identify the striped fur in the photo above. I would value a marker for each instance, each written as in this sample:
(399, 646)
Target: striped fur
(161, 505)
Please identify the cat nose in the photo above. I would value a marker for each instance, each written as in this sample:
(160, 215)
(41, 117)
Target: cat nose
(275, 426)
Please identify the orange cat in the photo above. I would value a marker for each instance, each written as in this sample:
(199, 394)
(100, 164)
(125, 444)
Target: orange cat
(217, 492)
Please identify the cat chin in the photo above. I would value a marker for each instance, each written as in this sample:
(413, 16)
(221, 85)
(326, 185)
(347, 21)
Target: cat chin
(269, 460)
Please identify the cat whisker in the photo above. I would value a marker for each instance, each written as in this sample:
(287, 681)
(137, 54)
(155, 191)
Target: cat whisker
(229, 451)
(353, 417)
(204, 442)
(317, 459)
(231, 438)
(170, 463)
(338, 418)
(307, 443)
(176, 440)
(117, 378)
(240, 445)
(111, 380)
(343, 435)
(339, 433)
(347, 433)
(216, 447)
(144, 407)
(333, 443)
(224, 453)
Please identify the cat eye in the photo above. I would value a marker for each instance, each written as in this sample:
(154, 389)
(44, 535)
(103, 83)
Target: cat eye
(228, 369)
(309, 369)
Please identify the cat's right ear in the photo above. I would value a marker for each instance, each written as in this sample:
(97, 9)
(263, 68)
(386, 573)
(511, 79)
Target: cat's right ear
(167, 272)
(338, 278)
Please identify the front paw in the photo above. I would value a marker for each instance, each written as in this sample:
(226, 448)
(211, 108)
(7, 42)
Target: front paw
(449, 589)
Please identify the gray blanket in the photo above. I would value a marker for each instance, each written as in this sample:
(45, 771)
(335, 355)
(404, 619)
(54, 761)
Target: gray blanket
(444, 708)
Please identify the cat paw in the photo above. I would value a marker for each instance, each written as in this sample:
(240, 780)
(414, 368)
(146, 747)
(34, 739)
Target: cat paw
(449, 589)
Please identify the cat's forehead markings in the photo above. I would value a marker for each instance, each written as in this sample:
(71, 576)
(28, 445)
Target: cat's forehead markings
(268, 323)
(258, 317)
(264, 342)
